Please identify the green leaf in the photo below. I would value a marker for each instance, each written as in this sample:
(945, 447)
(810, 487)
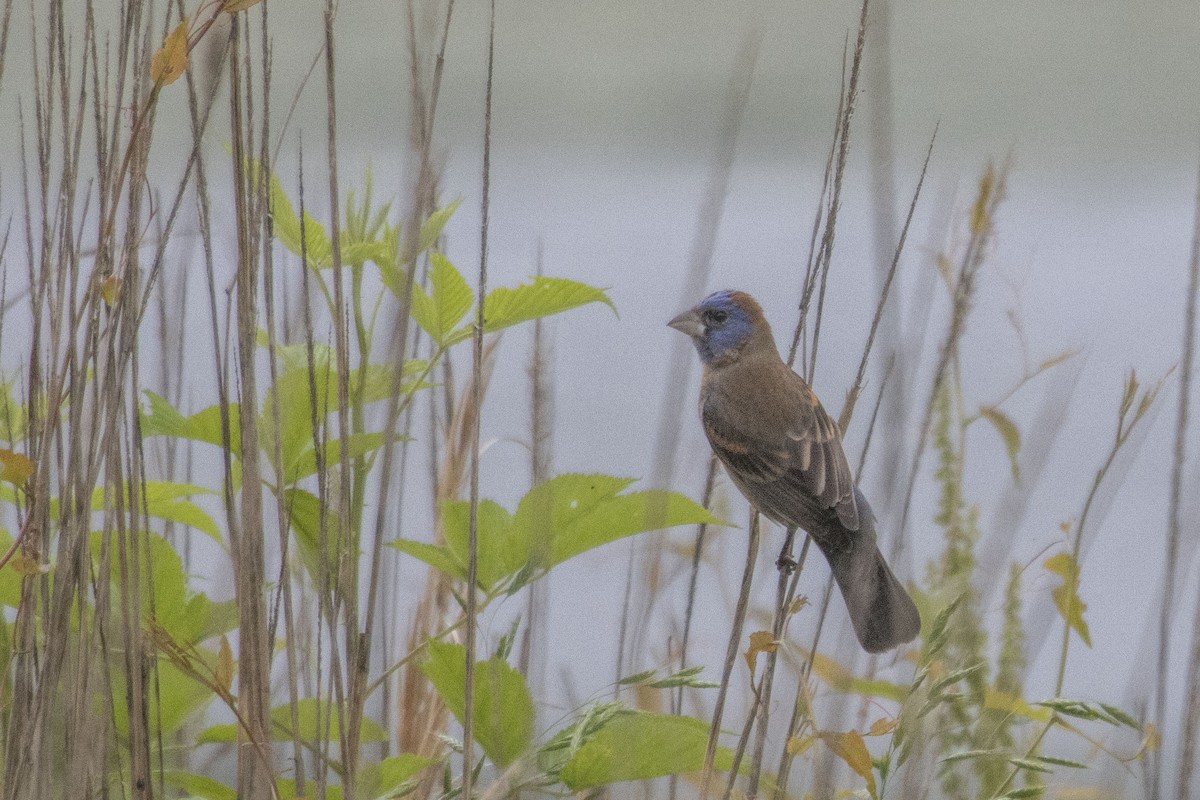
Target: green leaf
(503, 707)
(360, 444)
(440, 558)
(495, 558)
(586, 512)
(200, 786)
(543, 297)
(161, 419)
(311, 240)
(1066, 595)
(431, 229)
(291, 398)
(388, 778)
(635, 746)
(310, 729)
(1009, 433)
(304, 511)
(178, 696)
(449, 300)
(162, 500)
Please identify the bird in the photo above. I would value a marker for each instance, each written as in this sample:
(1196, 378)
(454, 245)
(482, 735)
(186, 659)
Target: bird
(784, 453)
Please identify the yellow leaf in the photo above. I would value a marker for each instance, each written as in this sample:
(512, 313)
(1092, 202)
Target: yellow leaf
(997, 700)
(881, 726)
(983, 201)
(797, 604)
(1066, 596)
(224, 672)
(169, 62)
(796, 745)
(851, 748)
(109, 288)
(1009, 433)
(234, 6)
(760, 642)
(16, 468)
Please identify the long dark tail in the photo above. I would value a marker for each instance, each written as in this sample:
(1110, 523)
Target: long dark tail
(883, 614)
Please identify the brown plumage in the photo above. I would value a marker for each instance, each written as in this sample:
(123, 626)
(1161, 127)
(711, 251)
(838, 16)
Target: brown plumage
(784, 452)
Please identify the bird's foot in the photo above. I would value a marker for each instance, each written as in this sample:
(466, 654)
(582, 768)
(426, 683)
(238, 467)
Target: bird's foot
(786, 564)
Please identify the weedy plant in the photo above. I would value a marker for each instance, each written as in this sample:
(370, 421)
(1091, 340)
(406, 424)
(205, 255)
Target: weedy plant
(335, 345)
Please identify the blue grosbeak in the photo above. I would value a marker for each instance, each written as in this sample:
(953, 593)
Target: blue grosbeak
(785, 454)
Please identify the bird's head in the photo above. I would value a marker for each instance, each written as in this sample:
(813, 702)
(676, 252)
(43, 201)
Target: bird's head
(723, 325)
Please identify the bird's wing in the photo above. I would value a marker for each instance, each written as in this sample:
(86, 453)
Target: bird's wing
(794, 470)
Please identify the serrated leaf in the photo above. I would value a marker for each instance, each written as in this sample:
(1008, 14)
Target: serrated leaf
(449, 299)
(432, 227)
(851, 748)
(1066, 596)
(637, 746)
(1008, 433)
(503, 707)
(440, 558)
(162, 419)
(170, 60)
(542, 297)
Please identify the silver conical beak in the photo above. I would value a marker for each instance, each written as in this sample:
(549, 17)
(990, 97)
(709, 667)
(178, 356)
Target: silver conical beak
(688, 322)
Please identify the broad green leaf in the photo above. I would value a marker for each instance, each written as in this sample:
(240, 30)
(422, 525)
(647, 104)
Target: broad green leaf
(540, 298)
(311, 240)
(449, 299)
(360, 444)
(589, 519)
(163, 582)
(636, 746)
(200, 786)
(388, 778)
(293, 393)
(1009, 433)
(310, 728)
(503, 707)
(440, 558)
(178, 696)
(432, 227)
(493, 562)
(1066, 595)
(556, 520)
(161, 419)
(163, 500)
(303, 508)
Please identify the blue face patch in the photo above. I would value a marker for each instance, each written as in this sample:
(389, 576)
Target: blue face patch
(727, 326)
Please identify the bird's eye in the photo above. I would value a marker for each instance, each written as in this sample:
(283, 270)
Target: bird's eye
(716, 316)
